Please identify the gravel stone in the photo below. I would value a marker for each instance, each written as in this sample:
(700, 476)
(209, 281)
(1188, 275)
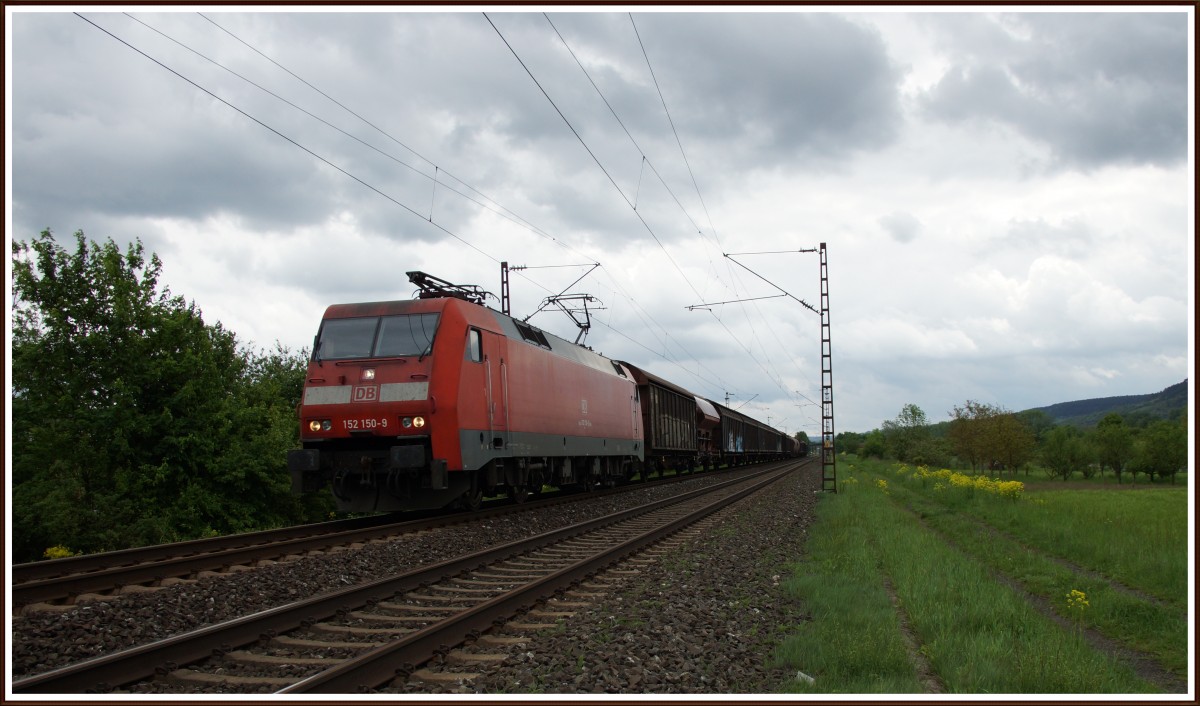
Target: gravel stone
(48, 640)
(705, 618)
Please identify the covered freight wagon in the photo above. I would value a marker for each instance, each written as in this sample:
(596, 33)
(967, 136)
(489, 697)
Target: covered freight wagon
(670, 416)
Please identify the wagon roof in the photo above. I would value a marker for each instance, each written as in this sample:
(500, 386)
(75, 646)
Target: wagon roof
(707, 409)
(642, 378)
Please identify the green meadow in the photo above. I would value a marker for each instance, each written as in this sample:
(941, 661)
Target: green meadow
(933, 581)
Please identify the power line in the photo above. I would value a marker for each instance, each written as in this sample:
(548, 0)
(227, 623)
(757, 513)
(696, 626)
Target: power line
(437, 168)
(591, 153)
(311, 152)
(691, 173)
(504, 212)
(289, 139)
(670, 120)
(646, 161)
(637, 307)
(700, 196)
(516, 218)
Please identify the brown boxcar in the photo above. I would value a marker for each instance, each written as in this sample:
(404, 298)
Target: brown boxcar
(670, 417)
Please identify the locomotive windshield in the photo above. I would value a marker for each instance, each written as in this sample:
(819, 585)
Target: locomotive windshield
(376, 337)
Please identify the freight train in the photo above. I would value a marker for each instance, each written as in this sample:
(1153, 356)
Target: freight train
(439, 401)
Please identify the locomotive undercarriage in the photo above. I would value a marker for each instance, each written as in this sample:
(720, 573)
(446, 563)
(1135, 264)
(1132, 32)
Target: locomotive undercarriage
(381, 476)
(522, 478)
(377, 475)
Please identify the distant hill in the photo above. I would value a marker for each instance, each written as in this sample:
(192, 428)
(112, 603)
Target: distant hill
(1087, 413)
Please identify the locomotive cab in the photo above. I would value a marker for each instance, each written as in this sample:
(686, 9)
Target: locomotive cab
(367, 415)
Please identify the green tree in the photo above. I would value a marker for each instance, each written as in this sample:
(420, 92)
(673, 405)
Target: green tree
(873, 446)
(1011, 441)
(968, 432)
(1063, 451)
(1037, 421)
(907, 434)
(988, 436)
(1161, 449)
(134, 422)
(1114, 443)
(849, 442)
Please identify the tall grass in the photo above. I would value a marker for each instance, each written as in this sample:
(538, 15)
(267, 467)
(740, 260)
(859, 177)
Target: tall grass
(1137, 535)
(1073, 542)
(1158, 629)
(853, 641)
(978, 635)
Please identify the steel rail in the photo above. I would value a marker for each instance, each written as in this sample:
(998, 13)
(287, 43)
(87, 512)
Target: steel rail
(87, 563)
(378, 666)
(119, 668)
(59, 579)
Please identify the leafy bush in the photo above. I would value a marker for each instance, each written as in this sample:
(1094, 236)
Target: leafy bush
(134, 421)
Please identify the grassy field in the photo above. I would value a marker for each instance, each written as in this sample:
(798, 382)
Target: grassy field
(933, 581)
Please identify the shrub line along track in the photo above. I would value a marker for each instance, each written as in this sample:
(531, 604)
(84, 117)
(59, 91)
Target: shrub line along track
(511, 570)
(38, 583)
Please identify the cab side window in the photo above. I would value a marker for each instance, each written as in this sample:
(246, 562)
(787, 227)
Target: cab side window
(474, 346)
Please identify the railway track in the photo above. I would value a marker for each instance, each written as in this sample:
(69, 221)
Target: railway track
(369, 635)
(58, 584)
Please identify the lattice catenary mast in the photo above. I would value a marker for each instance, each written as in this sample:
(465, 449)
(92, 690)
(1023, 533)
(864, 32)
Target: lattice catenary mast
(828, 457)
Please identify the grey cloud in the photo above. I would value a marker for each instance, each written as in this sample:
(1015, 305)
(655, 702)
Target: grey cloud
(107, 134)
(902, 226)
(760, 92)
(787, 86)
(1074, 238)
(1096, 88)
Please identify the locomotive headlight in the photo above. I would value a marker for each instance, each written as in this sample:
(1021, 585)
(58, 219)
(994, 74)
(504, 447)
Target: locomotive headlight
(314, 425)
(418, 422)
(326, 425)
(369, 374)
(406, 422)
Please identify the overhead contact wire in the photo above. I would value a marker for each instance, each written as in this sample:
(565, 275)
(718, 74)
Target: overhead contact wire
(511, 215)
(777, 378)
(288, 139)
(592, 154)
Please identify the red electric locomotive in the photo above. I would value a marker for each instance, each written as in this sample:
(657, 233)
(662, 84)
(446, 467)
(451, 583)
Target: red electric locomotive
(437, 401)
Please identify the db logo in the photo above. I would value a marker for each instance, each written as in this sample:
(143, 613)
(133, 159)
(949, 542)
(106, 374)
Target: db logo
(366, 393)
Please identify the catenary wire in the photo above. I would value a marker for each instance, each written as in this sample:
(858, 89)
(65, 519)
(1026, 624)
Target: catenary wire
(306, 149)
(372, 187)
(778, 378)
(519, 220)
(502, 212)
(593, 156)
(289, 139)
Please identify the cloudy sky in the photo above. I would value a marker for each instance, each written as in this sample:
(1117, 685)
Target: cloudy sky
(1007, 199)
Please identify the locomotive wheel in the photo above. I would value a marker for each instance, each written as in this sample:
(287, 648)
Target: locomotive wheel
(472, 500)
(518, 494)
